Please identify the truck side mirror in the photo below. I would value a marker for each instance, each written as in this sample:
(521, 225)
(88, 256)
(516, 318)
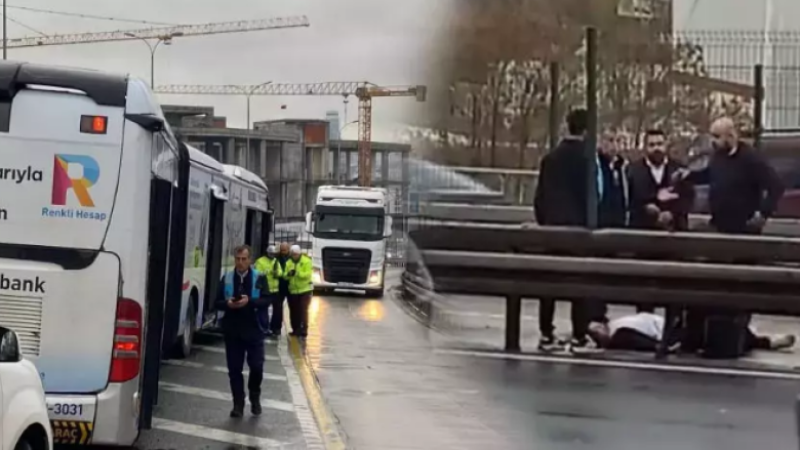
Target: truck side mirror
(9, 346)
(309, 222)
(387, 227)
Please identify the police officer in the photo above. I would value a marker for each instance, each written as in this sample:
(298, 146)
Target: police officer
(298, 272)
(242, 292)
(271, 268)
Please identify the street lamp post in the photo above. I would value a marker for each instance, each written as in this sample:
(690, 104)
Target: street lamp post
(339, 150)
(166, 40)
(249, 93)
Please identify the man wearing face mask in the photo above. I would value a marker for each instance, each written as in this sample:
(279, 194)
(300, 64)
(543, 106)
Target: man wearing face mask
(656, 202)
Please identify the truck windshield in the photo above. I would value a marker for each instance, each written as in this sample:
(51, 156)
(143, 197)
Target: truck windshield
(349, 226)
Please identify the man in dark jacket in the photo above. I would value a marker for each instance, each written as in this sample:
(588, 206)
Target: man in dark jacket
(242, 292)
(744, 191)
(612, 209)
(561, 200)
(656, 202)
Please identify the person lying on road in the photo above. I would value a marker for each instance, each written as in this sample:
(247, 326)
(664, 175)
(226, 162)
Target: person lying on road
(642, 332)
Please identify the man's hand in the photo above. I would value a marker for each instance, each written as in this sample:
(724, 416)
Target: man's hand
(666, 195)
(757, 222)
(243, 301)
(652, 209)
(291, 273)
(665, 219)
(233, 304)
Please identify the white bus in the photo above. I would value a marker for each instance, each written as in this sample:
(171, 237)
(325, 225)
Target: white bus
(111, 231)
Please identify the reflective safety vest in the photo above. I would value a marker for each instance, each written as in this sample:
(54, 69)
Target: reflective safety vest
(255, 292)
(271, 268)
(301, 282)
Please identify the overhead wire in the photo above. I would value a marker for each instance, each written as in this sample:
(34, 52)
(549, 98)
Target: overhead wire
(87, 16)
(23, 25)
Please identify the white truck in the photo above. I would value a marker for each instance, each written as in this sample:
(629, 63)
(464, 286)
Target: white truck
(349, 227)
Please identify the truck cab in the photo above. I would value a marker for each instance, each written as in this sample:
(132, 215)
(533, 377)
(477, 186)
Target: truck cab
(349, 227)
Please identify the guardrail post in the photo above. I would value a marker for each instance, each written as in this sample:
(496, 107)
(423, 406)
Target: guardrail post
(797, 417)
(513, 322)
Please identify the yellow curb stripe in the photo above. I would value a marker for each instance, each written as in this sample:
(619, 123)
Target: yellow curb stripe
(324, 417)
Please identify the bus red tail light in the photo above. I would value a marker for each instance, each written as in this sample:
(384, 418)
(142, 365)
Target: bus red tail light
(127, 352)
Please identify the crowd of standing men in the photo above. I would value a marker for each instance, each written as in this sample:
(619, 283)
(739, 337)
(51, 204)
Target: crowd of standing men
(655, 192)
(246, 295)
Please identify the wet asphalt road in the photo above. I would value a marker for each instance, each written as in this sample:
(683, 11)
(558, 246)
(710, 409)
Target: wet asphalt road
(194, 403)
(394, 384)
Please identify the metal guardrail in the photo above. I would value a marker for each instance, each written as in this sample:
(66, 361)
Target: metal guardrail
(453, 211)
(755, 273)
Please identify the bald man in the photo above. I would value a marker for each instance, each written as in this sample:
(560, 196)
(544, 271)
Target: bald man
(743, 193)
(744, 189)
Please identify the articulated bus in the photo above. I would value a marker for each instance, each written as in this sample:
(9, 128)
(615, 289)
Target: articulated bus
(113, 238)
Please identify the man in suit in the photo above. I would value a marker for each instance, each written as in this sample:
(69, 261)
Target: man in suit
(656, 202)
(561, 200)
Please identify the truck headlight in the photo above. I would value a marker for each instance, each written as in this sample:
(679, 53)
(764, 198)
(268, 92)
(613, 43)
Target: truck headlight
(375, 277)
(316, 276)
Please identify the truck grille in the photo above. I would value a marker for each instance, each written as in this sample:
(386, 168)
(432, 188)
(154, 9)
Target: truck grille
(345, 265)
(23, 315)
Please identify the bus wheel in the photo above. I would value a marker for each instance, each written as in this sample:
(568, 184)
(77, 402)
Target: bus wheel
(184, 347)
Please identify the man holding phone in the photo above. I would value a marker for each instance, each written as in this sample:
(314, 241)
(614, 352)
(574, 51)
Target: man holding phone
(243, 291)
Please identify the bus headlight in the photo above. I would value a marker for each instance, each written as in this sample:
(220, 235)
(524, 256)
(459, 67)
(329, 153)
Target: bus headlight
(316, 276)
(375, 278)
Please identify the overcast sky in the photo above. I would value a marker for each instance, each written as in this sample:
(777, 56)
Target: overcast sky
(381, 41)
(735, 14)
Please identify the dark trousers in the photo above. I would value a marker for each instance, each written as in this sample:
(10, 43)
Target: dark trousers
(276, 321)
(298, 313)
(237, 350)
(632, 340)
(578, 314)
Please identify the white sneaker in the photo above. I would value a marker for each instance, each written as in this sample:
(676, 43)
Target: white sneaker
(782, 342)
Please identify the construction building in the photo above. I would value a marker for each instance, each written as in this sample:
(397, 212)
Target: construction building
(293, 156)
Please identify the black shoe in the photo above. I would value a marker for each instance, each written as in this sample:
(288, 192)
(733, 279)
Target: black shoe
(255, 408)
(550, 343)
(237, 411)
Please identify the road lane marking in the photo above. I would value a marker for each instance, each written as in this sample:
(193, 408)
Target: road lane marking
(214, 434)
(305, 416)
(221, 350)
(746, 373)
(326, 422)
(224, 396)
(221, 369)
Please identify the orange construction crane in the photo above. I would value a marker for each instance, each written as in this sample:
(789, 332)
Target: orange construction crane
(239, 26)
(363, 90)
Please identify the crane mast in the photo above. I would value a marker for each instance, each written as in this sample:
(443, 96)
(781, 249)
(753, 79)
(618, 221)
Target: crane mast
(363, 90)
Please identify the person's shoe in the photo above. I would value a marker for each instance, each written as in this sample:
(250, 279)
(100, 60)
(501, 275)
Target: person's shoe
(237, 411)
(782, 342)
(581, 346)
(255, 407)
(550, 344)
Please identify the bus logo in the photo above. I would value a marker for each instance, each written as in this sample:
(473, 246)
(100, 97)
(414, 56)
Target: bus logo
(80, 186)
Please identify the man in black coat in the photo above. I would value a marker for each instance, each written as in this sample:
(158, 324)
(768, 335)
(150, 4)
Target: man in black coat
(612, 209)
(656, 201)
(561, 200)
(744, 191)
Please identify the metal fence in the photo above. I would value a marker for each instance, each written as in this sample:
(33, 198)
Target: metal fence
(641, 77)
